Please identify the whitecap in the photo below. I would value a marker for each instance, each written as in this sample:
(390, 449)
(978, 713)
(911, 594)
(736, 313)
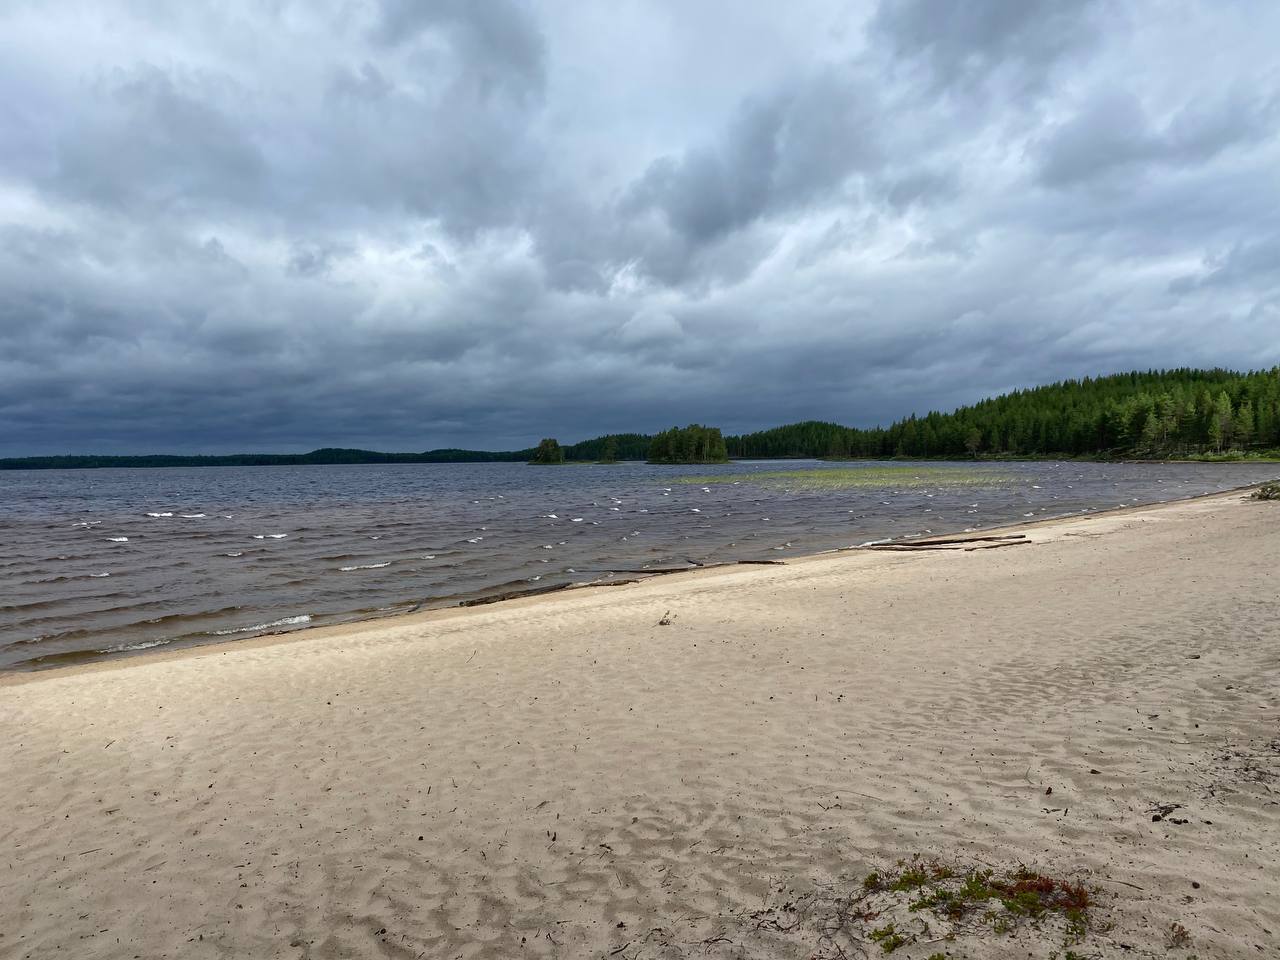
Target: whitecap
(117, 539)
(282, 622)
(269, 536)
(99, 576)
(192, 516)
(694, 510)
(365, 566)
(237, 553)
(159, 514)
(475, 539)
(427, 556)
(547, 546)
(142, 645)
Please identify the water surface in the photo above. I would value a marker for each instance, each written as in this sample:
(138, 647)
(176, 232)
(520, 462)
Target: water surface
(103, 563)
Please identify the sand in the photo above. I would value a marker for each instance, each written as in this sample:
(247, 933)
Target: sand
(565, 777)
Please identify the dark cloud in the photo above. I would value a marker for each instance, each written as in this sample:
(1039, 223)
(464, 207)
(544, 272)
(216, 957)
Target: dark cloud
(964, 43)
(406, 225)
(1113, 133)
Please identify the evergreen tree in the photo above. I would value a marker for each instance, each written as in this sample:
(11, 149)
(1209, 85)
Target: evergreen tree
(549, 452)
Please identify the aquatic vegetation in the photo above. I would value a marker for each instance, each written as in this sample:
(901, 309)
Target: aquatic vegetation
(848, 478)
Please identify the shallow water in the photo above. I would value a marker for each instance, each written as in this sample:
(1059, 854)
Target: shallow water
(97, 564)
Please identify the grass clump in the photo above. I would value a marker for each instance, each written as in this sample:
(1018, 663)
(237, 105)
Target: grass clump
(1268, 491)
(888, 938)
(969, 900)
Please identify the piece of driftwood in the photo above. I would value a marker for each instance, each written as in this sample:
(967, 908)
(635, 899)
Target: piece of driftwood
(653, 570)
(513, 594)
(959, 545)
(929, 541)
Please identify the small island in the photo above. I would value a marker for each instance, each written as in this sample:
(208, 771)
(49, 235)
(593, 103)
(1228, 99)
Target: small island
(549, 453)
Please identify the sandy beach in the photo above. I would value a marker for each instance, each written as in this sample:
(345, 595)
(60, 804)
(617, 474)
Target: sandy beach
(707, 765)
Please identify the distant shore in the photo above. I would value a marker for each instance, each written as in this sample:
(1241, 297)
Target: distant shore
(661, 762)
(318, 458)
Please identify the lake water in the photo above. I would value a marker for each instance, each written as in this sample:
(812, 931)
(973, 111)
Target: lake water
(104, 563)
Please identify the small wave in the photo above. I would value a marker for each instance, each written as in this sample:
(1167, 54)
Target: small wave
(87, 523)
(427, 556)
(236, 553)
(117, 539)
(192, 516)
(475, 539)
(269, 536)
(98, 576)
(282, 622)
(576, 520)
(159, 514)
(141, 645)
(365, 566)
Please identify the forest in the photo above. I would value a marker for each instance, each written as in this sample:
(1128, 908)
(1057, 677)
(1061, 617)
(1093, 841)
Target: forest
(692, 444)
(1156, 414)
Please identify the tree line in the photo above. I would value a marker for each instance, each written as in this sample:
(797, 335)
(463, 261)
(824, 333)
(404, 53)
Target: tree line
(1151, 414)
(1154, 414)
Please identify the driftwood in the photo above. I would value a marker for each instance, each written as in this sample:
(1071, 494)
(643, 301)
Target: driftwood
(513, 594)
(660, 570)
(931, 541)
(957, 545)
(642, 571)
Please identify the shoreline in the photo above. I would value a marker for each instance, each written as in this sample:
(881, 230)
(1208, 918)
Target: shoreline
(697, 765)
(429, 614)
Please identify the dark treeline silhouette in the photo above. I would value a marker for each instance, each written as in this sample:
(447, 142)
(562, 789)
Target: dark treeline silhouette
(1155, 414)
(692, 444)
(326, 455)
(549, 452)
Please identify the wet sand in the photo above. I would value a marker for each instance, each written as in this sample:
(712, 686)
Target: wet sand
(565, 777)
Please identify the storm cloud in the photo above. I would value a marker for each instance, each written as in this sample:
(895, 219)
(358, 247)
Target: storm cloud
(406, 225)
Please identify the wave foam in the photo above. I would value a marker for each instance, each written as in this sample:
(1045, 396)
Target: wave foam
(365, 566)
(159, 514)
(117, 539)
(141, 645)
(282, 622)
(269, 536)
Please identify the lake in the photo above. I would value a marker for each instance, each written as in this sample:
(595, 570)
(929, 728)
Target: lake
(97, 564)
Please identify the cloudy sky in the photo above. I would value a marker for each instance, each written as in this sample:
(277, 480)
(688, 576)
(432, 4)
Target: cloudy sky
(403, 224)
